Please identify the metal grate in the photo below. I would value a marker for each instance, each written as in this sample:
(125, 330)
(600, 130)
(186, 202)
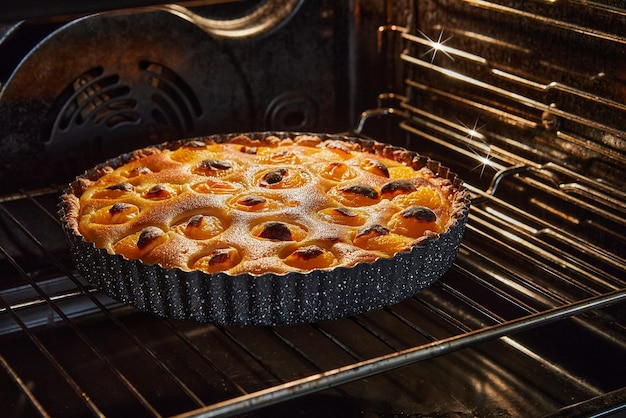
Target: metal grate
(71, 333)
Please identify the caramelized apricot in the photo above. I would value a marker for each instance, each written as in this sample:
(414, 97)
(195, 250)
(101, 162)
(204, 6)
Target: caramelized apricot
(343, 216)
(310, 257)
(279, 231)
(190, 152)
(274, 176)
(248, 150)
(214, 186)
(159, 192)
(356, 195)
(202, 227)
(339, 148)
(372, 231)
(280, 178)
(337, 171)
(148, 237)
(137, 171)
(220, 259)
(396, 187)
(278, 156)
(114, 191)
(414, 221)
(117, 213)
(140, 243)
(123, 186)
(423, 196)
(378, 238)
(275, 231)
(255, 203)
(213, 167)
(252, 200)
(374, 166)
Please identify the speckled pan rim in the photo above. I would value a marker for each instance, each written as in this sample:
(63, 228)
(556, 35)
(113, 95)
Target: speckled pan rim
(269, 299)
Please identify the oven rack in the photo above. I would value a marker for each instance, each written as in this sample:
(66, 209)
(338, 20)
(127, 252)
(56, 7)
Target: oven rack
(483, 298)
(541, 101)
(386, 363)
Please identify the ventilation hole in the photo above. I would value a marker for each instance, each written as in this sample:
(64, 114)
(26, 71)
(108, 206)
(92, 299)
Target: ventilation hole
(175, 89)
(291, 111)
(65, 105)
(177, 102)
(91, 98)
(163, 74)
(169, 112)
(121, 117)
(108, 105)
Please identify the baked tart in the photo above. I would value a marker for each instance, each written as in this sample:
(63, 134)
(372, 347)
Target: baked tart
(265, 228)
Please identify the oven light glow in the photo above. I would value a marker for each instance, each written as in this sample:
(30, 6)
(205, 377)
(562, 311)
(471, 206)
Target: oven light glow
(475, 143)
(473, 133)
(436, 46)
(483, 162)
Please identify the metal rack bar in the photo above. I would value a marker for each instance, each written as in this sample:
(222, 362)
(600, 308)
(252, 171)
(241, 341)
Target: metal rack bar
(249, 352)
(498, 158)
(295, 349)
(23, 388)
(572, 198)
(182, 337)
(360, 370)
(345, 348)
(510, 340)
(547, 251)
(545, 229)
(544, 296)
(410, 324)
(555, 301)
(523, 122)
(82, 336)
(509, 95)
(549, 21)
(51, 359)
(78, 333)
(539, 257)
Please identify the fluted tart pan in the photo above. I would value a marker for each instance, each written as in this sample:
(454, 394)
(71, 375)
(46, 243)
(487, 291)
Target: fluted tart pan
(269, 298)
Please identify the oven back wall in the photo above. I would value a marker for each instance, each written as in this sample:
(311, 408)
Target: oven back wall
(92, 88)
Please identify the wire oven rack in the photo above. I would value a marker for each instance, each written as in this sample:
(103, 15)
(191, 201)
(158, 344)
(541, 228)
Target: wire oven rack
(482, 298)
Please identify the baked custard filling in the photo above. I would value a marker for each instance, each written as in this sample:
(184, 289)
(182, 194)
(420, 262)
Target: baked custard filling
(275, 205)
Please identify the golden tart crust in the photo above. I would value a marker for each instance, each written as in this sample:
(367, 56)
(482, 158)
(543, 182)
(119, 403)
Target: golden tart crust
(263, 205)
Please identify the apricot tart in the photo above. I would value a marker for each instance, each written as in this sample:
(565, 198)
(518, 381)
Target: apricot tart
(265, 228)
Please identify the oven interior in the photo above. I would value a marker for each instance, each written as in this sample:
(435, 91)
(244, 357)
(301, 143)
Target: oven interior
(525, 101)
